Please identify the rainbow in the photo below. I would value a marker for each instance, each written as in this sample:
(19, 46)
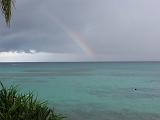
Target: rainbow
(80, 41)
(76, 37)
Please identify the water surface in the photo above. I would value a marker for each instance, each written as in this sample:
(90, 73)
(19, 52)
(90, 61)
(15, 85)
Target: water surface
(92, 91)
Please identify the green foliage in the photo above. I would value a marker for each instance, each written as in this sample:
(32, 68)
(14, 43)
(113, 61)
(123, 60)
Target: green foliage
(6, 8)
(14, 106)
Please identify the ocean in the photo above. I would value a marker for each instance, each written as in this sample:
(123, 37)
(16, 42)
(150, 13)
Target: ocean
(91, 90)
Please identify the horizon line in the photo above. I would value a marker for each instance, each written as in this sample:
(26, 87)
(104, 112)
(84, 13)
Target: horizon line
(81, 61)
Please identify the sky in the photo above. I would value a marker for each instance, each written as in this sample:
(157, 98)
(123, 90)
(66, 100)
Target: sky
(81, 30)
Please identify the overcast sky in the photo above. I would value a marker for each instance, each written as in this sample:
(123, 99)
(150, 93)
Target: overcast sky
(66, 30)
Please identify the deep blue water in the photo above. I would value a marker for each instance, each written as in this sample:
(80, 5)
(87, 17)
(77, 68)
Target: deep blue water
(92, 91)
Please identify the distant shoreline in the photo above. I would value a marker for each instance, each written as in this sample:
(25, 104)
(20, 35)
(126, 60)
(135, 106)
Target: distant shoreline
(91, 62)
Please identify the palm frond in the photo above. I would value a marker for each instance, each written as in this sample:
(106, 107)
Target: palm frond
(6, 9)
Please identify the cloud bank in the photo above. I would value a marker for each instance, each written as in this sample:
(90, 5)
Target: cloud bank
(33, 56)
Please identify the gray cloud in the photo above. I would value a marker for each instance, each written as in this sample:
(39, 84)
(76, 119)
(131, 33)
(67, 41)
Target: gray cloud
(113, 29)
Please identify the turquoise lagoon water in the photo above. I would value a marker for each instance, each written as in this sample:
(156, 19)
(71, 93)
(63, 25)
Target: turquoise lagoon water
(92, 91)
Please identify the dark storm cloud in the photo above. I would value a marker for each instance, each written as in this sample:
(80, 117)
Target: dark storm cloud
(113, 29)
(32, 29)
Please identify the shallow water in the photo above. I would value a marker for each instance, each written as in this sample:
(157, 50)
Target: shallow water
(92, 91)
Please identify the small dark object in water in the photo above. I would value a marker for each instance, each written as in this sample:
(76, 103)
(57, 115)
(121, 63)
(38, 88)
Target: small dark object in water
(135, 89)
